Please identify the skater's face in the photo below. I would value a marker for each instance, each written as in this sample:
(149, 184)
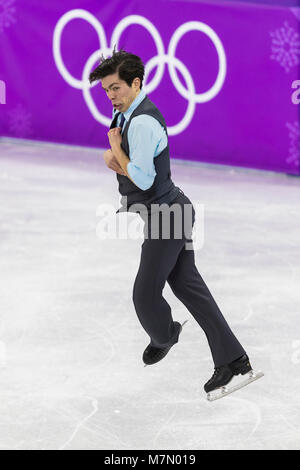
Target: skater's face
(120, 94)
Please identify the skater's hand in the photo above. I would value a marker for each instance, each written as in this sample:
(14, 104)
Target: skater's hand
(112, 162)
(114, 137)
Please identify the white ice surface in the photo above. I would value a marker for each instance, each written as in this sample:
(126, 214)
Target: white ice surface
(71, 345)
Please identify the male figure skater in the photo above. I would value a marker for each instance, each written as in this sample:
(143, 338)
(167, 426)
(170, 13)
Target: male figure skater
(139, 155)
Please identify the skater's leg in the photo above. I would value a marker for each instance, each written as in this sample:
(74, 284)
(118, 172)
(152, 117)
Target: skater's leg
(158, 258)
(189, 287)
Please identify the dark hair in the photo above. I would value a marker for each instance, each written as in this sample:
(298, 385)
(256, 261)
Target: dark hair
(128, 66)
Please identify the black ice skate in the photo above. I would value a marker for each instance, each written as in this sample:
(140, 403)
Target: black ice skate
(221, 383)
(152, 355)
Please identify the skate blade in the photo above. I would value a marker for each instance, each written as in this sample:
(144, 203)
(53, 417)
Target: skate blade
(227, 389)
(185, 321)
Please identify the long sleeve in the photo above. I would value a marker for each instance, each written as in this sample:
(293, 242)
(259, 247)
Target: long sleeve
(146, 139)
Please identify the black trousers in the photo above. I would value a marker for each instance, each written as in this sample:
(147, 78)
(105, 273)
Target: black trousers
(167, 260)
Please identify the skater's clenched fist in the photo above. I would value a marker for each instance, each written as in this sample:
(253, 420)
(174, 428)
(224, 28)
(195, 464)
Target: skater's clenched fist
(114, 136)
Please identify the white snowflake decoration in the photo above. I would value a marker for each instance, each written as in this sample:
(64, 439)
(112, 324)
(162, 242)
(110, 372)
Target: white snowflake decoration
(20, 121)
(7, 14)
(285, 46)
(294, 149)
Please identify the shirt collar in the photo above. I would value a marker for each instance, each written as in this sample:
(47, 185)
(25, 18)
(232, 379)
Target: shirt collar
(133, 105)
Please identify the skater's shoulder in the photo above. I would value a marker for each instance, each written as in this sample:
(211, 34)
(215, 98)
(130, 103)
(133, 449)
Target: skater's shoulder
(144, 124)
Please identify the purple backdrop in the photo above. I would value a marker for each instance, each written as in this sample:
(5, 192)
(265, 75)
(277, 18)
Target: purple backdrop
(248, 120)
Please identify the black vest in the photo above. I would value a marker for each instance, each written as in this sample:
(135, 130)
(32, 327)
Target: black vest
(163, 189)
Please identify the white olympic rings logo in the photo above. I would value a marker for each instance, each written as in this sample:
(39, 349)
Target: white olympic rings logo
(159, 60)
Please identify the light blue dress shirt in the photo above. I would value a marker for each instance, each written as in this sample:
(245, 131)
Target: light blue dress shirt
(147, 139)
